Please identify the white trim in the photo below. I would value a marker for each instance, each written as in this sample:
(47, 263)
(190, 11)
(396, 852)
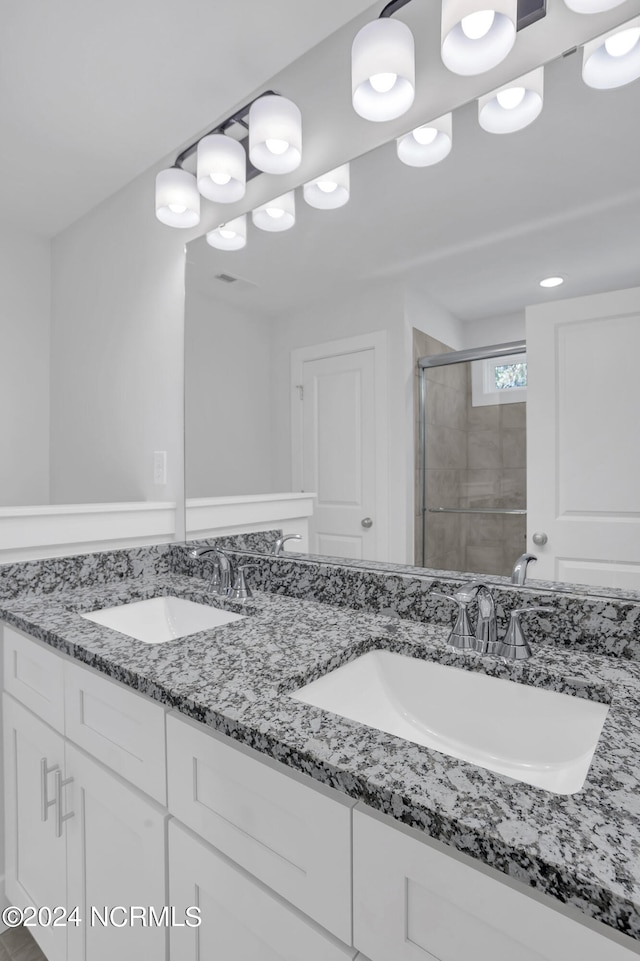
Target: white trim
(376, 341)
(29, 533)
(211, 516)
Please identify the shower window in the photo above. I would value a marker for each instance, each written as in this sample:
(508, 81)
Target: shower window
(499, 380)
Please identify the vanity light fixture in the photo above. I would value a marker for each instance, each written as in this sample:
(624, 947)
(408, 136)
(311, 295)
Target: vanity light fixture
(222, 168)
(551, 282)
(177, 198)
(275, 135)
(613, 59)
(383, 70)
(329, 191)
(229, 236)
(277, 214)
(514, 105)
(428, 144)
(474, 38)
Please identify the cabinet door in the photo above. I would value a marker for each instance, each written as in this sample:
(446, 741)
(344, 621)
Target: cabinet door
(291, 836)
(116, 851)
(412, 901)
(35, 856)
(240, 919)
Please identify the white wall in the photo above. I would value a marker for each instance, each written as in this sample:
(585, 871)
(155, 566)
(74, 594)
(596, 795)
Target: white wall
(228, 421)
(25, 278)
(494, 330)
(117, 352)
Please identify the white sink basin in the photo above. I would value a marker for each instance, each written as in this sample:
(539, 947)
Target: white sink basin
(533, 735)
(161, 618)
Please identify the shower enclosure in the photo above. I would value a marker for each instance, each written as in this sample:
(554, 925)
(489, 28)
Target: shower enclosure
(471, 463)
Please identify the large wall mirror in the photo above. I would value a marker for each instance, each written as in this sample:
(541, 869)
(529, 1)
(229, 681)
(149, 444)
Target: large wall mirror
(334, 313)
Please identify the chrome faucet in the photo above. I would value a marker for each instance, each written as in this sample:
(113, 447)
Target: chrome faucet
(484, 640)
(224, 573)
(519, 572)
(277, 547)
(462, 637)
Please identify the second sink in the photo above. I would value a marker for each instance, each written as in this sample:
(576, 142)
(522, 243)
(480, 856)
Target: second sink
(536, 736)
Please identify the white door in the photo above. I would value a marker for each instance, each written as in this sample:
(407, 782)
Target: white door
(339, 440)
(35, 855)
(116, 860)
(583, 447)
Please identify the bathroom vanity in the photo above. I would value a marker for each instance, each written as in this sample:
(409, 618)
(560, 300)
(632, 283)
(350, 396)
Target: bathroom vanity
(185, 774)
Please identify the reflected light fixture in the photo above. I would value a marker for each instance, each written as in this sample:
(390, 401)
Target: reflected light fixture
(222, 169)
(275, 135)
(229, 236)
(514, 105)
(592, 6)
(177, 198)
(383, 67)
(551, 282)
(476, 38)
(613, 59)
(277, 214)
(329, 191)
(428, 144)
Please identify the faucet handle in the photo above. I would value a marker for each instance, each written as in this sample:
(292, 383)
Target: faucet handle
(461, 636)
(515, 646)
(240, 590)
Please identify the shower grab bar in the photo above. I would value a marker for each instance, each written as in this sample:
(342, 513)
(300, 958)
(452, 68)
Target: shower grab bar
(475, 510)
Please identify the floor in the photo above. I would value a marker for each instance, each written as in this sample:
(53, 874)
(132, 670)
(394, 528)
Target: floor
(16, 944)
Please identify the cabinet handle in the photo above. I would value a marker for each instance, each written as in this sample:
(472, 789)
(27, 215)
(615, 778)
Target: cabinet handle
(45, 803)
(60, 817)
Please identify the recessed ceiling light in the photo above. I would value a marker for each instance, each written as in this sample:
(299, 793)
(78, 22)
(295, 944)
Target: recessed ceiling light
(552, 281)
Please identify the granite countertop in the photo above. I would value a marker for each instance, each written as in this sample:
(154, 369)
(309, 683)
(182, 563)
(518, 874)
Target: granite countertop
(583, 849)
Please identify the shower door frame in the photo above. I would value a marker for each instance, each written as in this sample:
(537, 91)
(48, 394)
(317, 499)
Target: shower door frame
(444, 360)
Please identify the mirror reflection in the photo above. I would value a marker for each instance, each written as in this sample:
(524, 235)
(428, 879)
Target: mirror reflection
(302, 348)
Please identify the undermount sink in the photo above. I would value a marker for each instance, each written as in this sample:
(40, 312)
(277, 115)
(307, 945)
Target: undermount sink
(533, 735)
(161, 619)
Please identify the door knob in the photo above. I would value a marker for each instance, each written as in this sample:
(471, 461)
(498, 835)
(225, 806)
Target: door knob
(366, 522)
(540, 538)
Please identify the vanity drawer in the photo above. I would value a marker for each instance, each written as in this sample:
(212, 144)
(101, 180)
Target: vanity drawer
(414, 902)
(294, 838)
(34, 675)
(117, 726)
(241, 921)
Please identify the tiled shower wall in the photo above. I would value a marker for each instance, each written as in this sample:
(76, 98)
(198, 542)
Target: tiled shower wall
(475, 457)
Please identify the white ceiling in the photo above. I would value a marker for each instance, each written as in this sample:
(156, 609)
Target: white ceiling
(94, 92)
(478, 231)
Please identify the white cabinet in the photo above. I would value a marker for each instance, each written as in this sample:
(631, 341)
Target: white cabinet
(413, 901)
(294, 837)
(115, 859)
(241, 919)
(35, 855)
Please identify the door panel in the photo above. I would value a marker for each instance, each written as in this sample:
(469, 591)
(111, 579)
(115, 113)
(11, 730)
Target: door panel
(339, 444)
(583, 459)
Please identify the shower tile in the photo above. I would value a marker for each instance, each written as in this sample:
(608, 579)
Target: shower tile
(483, 449)
(481, 488)
(446, 448)
(513, 488)
(487, 560)
(514, 448)
(513, 415)
(485, 530)
(483, 418)
(445, 406)
(443, 488)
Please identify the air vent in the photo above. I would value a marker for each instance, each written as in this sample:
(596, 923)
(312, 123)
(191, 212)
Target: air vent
(226, 278)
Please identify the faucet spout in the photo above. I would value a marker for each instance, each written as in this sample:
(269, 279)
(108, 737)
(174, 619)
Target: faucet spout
(519, 573)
